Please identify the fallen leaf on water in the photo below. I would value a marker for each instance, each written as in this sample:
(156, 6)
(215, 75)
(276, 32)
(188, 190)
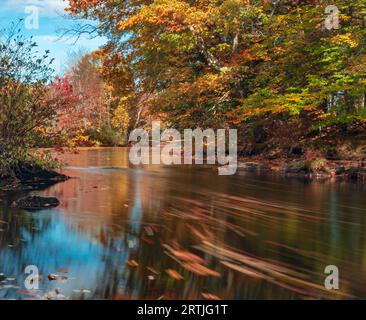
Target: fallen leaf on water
(132, 264)
(197, 233)
(54, 277)
(152, 270)
(278, 274)
(184, 255)
(200, 270)
(63, 270)
(147, 240)
(244, 270)
(174, 274)
(3, 222)
(210, 296)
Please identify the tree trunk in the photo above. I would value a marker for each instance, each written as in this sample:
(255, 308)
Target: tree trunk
(210, 58)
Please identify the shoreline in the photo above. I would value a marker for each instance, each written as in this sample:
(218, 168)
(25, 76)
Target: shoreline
(348, 170)
(30, 179)
(317, 169)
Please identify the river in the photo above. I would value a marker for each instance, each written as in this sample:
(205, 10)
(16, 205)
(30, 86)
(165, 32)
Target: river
(165, 232)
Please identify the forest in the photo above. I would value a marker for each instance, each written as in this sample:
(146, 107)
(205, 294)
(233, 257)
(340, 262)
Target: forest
(271, 69)
(287, 78)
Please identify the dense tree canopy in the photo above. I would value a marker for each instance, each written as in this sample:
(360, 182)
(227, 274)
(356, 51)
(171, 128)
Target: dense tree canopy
(211, 62)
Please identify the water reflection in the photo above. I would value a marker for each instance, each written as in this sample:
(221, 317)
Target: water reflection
(130, 233)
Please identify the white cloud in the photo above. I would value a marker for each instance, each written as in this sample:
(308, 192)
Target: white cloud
(46, 7)
(46, 38)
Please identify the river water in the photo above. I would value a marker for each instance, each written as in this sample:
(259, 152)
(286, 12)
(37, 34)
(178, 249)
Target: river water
(160, 232)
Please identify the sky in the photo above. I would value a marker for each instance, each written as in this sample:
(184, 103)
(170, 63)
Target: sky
(52, 20)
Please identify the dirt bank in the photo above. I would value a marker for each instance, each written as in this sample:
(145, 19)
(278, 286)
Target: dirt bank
(30, 178)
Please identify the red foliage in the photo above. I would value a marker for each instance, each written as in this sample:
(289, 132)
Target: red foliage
(67, 103)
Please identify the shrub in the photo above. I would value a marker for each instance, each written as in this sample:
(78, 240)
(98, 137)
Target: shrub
(24, 98)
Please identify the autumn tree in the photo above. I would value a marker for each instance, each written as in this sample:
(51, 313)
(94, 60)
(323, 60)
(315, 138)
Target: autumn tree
(235, 62)
(95, 113)
(25, 101)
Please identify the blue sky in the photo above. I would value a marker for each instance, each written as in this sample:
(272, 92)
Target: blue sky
(51, 20)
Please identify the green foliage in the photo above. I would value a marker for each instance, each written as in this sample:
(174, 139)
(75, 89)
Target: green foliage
(24, 98)
(106, 136)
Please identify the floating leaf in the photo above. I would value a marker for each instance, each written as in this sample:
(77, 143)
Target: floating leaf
(183, 255)
(200, 270)
(244, 270)
(52, 277)
(132, 264)
(174, 274)
(152, 270)
(63, 270)
(210, 296)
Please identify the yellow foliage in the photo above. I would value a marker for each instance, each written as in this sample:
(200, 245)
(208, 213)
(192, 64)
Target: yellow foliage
(346, 39)
(80, 139)
(121, 118)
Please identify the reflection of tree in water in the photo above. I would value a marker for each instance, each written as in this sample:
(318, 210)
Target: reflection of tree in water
(45, 240)
(16, 239)
(237, 222)
(123, 246)
(110, 217)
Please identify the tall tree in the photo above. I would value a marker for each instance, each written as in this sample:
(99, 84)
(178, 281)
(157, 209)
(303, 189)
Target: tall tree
(214, 62)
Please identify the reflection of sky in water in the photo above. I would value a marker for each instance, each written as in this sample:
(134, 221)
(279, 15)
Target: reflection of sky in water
(59, 245)
(136, 214)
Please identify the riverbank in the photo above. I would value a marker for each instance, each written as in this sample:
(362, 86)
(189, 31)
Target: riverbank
(307, 167)
(30, 178)
(311, 169)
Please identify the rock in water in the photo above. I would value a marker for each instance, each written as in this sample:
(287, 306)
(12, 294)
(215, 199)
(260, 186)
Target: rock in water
(36, 203)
